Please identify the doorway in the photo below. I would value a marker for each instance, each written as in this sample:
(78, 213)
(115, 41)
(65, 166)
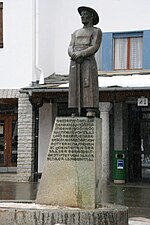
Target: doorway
(8, 140)
(139, 144)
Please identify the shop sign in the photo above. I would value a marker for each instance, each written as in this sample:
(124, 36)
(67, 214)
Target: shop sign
(142, 101)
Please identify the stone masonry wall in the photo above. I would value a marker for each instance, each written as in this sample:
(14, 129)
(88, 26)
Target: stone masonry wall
(9, 93)
(25, 139)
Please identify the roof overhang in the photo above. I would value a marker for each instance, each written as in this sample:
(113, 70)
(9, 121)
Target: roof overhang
(111, 87)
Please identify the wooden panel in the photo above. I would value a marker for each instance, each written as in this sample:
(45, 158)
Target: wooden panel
(104, 96)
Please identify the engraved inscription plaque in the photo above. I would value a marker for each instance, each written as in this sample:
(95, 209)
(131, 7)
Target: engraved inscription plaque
(71, 174)
(72, 139)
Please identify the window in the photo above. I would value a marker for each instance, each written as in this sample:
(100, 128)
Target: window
(8, 140)
(1, 24)
(128, 51)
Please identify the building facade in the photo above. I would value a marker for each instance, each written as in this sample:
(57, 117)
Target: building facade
(123, 103)
(28, 111)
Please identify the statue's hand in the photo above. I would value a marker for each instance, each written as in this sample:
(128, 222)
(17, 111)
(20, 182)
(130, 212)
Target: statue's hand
(76, 56)
(79, 60)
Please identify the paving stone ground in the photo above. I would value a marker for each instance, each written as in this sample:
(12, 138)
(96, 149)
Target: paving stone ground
(139, 221)
(135, 196)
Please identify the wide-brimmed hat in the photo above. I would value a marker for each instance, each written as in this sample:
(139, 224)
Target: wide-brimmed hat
(95, 15)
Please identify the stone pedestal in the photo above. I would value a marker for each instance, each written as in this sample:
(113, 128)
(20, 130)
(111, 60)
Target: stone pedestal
(27, 213)
(71, 175)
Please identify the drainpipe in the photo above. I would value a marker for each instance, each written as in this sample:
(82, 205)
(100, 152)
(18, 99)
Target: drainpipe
(37, 71)
(36, 105)
(36, 139)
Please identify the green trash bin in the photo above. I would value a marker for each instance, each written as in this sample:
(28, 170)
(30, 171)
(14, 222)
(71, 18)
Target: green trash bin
(119, 167)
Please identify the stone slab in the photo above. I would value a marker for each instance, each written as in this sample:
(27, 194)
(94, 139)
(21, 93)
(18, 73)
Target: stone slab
(71, 175)
(27, 213)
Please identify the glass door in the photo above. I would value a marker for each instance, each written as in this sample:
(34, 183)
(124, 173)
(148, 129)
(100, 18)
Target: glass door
(139, 144)
(134, 154)
(145, 146)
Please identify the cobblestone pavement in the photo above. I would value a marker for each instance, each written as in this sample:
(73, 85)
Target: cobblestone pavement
(135, 196)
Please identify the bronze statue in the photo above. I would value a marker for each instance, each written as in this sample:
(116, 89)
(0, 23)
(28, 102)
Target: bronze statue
(83, 75)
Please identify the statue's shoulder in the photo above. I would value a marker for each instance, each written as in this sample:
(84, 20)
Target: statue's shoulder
(97, 29)
(78, 30)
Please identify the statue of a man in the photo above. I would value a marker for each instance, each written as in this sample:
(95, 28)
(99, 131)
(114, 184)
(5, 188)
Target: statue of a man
(83, 75)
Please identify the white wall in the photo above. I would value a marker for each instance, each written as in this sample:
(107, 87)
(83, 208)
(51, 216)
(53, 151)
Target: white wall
(16, 55)
(62, 19)
(46, 37)
(56, 21)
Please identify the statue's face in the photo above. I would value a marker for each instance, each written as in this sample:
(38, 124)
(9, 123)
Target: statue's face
(86, 17)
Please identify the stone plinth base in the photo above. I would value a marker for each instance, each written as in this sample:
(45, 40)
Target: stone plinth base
(72, 171)
(27, 213)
